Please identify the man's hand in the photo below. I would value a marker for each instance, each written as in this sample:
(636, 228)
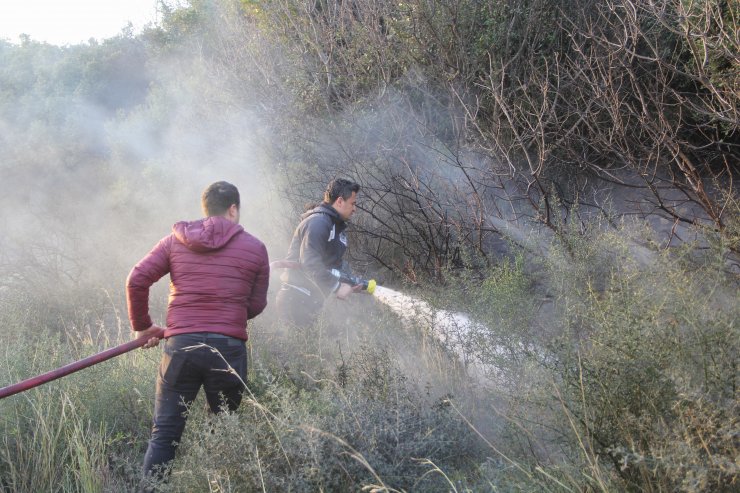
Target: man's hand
(153, 334)
(345, 290)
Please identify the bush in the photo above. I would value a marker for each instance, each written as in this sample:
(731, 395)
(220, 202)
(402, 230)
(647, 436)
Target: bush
(370, 429)
(640, 352)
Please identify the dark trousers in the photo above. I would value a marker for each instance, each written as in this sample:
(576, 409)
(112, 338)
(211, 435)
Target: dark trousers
(298, 308)
(190, 361)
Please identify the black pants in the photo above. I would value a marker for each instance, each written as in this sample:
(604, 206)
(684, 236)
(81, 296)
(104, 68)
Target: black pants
(298, 308)
(189, 362)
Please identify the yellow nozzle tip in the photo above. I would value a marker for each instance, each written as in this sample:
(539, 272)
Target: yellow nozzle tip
(371, 286)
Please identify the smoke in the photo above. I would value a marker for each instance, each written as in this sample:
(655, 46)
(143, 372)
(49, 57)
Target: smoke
(92, 180)
(90, 183)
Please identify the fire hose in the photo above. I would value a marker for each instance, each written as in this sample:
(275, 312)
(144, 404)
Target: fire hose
(367, 285)
(73, 367)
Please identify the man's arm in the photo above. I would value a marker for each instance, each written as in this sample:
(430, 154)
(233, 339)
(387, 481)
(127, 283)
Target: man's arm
(149, 270)
(258, 298)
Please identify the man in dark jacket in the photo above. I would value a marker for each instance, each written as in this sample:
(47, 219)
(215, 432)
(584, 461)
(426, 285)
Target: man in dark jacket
(317, 248)
(219, 277)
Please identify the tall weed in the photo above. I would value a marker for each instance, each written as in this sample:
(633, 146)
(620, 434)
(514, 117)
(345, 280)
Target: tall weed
(84, 432)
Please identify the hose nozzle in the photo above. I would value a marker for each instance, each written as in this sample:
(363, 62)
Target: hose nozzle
(367, 284)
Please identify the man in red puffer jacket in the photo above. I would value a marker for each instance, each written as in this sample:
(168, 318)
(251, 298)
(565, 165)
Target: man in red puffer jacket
(219, 277)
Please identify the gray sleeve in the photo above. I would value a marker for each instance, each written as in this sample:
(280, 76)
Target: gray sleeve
(313, 253)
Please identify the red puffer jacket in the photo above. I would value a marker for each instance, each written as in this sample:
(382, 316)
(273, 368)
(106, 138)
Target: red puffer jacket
(219, 276)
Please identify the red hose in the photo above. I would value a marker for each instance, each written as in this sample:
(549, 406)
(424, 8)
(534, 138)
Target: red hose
(73, 367)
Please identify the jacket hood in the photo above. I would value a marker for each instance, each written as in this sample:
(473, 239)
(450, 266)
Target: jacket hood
(323, 209)
(203, 235)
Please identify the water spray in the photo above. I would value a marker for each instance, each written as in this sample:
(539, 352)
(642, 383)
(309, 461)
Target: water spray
(452, 329)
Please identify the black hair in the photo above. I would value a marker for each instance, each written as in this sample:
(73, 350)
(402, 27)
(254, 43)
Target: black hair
(218, 197)
(339, 187)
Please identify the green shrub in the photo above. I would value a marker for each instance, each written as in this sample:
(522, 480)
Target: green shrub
(373, 429)
(634, 355)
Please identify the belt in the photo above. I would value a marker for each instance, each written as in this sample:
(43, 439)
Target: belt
(216, 335)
